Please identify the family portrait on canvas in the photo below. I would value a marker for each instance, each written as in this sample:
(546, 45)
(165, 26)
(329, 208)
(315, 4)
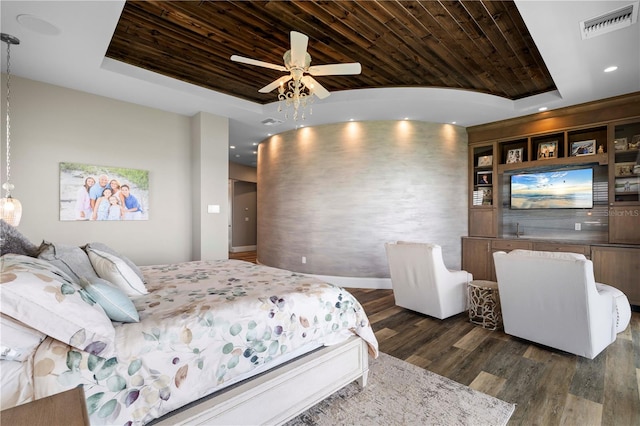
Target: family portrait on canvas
(90, 193)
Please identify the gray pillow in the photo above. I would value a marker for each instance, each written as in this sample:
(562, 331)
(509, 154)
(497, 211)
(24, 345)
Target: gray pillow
(105, 248)
(12, 241)
(71, 259)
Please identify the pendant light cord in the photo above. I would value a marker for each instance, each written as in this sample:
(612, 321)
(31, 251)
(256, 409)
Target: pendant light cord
(7, 186)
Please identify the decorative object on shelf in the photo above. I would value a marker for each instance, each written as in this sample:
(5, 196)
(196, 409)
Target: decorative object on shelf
(620, 144)
(627, 185)
(600, 149)
(477, 197)
(635, 142)
(10, 208)
(624, 169)
(483, 178)
(583, 148)
(485, 161)
(547, 150)
(487, 197)
(514, 156)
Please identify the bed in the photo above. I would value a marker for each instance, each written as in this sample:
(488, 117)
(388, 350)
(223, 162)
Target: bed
(204, 342)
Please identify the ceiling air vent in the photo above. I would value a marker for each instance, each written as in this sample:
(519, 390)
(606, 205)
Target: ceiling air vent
(271, 121)
(610, 21)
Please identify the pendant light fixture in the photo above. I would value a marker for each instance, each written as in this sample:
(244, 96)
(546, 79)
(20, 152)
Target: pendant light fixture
(10, 208)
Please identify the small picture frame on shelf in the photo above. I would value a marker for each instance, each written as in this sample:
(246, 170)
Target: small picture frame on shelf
(620, 144)
(487, 197)
(627, 185)
(625, 169)
(635, 142)
(583, 148)
(547, 150)
(514, 155)
(483, 178)
(485, 161)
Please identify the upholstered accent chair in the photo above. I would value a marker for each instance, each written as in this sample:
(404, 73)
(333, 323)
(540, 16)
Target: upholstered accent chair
(421, 281)
(552, 299)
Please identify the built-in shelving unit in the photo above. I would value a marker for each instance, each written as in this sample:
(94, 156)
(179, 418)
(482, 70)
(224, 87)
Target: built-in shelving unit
(603, 136)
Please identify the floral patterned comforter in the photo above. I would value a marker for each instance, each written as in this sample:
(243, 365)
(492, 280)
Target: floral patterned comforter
(202, 324)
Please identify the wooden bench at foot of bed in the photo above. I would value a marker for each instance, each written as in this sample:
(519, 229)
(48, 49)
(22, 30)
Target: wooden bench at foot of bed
(278, 395)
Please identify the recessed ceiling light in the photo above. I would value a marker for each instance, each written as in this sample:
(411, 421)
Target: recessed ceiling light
(255, 144)
(542, 109)
(237, 155)
(453, 122)
(255, 152)
(232, 147)
(351, 119)
(406, 118)
(37, 25)
(610, 69)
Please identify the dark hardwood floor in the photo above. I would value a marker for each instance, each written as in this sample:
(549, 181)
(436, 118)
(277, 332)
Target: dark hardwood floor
(549, 387)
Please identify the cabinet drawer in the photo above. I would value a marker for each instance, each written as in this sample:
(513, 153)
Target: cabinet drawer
(511, 245)
(570, 248)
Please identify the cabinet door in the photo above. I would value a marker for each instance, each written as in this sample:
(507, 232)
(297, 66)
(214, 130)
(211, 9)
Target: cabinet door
(624, 225)
(483, 222)
(620, 268)
(475, 257)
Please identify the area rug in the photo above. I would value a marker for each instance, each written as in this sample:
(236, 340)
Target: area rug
(399, 393)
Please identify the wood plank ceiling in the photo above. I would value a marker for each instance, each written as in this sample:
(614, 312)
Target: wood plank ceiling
(475, 45)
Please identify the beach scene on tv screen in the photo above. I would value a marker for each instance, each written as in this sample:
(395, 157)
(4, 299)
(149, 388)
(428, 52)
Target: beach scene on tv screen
(566, 189)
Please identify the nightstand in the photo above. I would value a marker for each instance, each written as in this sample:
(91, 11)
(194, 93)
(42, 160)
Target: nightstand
(62, 409)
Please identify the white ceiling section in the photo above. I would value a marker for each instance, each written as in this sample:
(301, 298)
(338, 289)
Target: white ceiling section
(74, 58)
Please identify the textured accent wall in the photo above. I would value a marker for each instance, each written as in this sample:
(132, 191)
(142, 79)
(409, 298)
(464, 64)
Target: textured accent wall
(337, 193)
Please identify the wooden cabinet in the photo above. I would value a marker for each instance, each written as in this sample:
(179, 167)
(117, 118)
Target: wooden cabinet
(477, 254)
(475, 257)
(613, 265)
(618, 267)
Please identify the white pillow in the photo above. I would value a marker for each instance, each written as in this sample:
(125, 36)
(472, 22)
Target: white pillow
(18, 341)
(115, 303)
(117, 272)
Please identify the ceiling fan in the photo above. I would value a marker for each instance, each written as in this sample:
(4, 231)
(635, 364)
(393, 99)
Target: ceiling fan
(297, 63)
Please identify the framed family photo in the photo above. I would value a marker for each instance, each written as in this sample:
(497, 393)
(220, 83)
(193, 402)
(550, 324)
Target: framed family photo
(547, 150)
(100, 193)
(514, 156)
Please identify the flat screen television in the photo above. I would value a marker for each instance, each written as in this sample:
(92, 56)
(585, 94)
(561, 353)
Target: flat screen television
(558, 189)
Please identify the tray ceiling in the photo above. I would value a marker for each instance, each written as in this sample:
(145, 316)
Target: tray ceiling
(482, 46)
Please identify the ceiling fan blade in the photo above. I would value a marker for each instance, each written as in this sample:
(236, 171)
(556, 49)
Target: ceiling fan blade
(316, 87)
(269, 87)
(336, 69)
(250, 61)
(299, 44)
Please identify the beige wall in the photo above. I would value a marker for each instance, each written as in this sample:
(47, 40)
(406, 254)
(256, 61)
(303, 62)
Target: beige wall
(336, 193)
(51, 124)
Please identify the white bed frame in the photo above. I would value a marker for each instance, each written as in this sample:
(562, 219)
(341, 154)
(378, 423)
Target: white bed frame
(278, 395)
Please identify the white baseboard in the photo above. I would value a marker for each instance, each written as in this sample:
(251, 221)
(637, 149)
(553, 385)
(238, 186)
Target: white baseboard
(240, 249)
(356, 282)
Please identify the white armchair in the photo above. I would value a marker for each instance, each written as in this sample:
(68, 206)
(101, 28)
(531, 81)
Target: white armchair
(552, 299)
(421, 281)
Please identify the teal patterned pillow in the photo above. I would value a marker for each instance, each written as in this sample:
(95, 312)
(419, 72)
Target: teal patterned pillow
(38, 294)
